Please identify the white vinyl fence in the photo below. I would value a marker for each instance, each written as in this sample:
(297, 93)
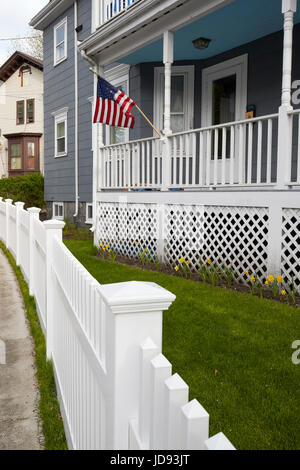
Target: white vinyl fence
(115, 387)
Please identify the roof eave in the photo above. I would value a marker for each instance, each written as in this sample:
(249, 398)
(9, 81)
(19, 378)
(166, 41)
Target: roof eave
(49, 13)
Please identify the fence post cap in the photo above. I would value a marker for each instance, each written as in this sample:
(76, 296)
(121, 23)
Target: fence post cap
(19, 204)
(1, 198)
(8, 201)
(136, 296)
(34, 210)
(219, 442)
(54, 224)
(194, 410)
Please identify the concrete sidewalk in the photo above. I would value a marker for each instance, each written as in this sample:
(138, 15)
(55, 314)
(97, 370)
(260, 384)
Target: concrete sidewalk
(19, 422)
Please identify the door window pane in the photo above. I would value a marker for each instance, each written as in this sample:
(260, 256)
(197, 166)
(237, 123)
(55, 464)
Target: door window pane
(15, 156)
(224, 100)
(177, 94)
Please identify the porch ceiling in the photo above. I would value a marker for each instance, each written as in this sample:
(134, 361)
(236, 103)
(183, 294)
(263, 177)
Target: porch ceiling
(238, 23)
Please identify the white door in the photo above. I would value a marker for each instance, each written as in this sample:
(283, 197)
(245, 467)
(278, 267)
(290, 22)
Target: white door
(224, 99)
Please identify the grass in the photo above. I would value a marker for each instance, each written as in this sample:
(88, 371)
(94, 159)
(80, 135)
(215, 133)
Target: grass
(49, 410)
(233, 350)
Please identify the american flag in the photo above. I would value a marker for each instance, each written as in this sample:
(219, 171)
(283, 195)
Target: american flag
(113, 107)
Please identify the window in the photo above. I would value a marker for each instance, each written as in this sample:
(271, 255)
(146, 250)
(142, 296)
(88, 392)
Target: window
(58, 210)
(60, 42)
(118, 77)
(30, 111)
(24, 74)
(20, 112)
(30, 153)
(60, 131)
(182, 98)
(15, 152)
(89, 213)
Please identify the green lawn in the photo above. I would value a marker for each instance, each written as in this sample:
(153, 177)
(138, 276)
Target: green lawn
(254, 397)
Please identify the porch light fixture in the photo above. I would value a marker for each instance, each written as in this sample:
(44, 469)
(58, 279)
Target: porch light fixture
(201, 43)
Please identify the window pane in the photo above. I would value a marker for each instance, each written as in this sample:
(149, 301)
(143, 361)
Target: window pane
(224, 99)
(177, 94)
(20, 112)
(30, 149)
(61, 129)
(15, 150)
(60, 34)
(30, 111)
(118, 134)
(16, 163)
(60, 211)
(177, 123)
(90, 212)
(61, 147)
(60, 51)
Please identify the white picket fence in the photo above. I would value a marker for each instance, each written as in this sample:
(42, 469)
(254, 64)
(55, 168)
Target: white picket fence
(115, 387)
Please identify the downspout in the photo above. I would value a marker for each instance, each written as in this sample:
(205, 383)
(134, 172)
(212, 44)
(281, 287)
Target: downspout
(76, 107)
(95, 148)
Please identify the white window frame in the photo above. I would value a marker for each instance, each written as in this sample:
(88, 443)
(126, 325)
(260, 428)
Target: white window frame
(60, 116)
(89, 220)
(237, 66)
(189, 72)
(116, 76)
(64, 23)
(58, 217)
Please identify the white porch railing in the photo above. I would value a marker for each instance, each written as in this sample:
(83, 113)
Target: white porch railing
(110, 8)
(116, 389)
(236, 153)
(295, 161)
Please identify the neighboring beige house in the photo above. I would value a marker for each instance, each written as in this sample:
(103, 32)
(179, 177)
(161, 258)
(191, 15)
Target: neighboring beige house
(21, 116)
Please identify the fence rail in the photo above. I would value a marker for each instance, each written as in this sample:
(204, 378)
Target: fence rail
(231, 154)
(115, 387)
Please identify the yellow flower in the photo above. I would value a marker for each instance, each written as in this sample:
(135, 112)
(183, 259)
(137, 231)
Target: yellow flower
(270, 278)
(104, 249)
(182, 260)
(267, 283)
(208, 261)
(283, 292)
(252, 278)
(176, 268)
(106, 246)
(246, 272)
(187, 262)
(279, 279)
(136, 243)
(109, 251)
(101, 244)
(146, 250)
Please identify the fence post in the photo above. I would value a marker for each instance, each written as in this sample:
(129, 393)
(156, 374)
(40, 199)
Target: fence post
(33, 214)
(19, 206)
(8, 203)
(134, 313)
(53, 229)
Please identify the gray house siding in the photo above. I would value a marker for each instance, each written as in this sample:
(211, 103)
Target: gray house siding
(59, 92)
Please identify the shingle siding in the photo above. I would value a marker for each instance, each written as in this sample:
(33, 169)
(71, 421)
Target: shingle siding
(59, 86)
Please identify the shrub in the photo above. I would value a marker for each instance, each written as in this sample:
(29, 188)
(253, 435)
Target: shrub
(28, 189)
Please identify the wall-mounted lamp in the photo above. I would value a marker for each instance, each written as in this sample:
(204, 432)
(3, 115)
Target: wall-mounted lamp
(201, 43)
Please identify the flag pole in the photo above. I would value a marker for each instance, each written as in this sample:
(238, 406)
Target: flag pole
(139, 110)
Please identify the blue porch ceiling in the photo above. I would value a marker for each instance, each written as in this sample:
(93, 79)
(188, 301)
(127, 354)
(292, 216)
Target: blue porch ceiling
(238, 23)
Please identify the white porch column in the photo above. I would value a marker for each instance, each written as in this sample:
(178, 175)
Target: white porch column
(168, 61)
(285, 122)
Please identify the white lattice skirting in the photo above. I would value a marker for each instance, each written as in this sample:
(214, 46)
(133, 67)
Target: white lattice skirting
(228, 235)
